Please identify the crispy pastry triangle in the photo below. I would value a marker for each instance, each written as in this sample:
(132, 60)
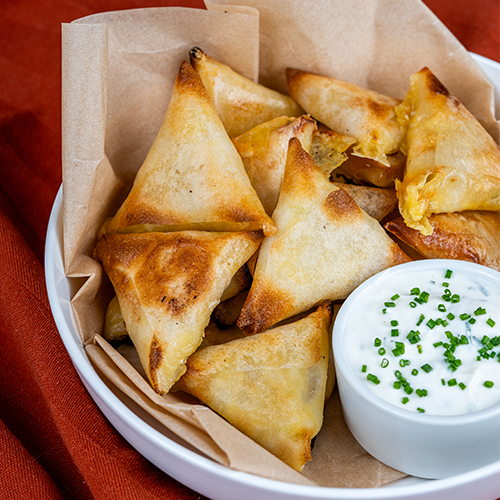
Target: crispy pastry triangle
(270, 386)
(325, 247)
(453, 163)
(263, 151)
(469, 235)
(193, 177)
(167, 285)
(241, 103)
(349, 109)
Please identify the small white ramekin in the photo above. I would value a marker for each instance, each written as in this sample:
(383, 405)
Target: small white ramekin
(419, 444)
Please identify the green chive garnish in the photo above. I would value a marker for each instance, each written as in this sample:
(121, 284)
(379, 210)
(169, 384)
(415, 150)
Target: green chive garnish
(420, 410)
(363, 368)
(405, 400)
(385, 363)
(462, 386)
(377, 342)
(448, 274)
(415, 291)
(381, 351)
(489, 384)
(427, 368)
(490, 322)
(373, 378)
(479, 311)
(442, 308)
(452, 382)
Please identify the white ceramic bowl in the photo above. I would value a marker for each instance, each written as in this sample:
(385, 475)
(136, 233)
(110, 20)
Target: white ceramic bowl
(176, 458)
(420, 444)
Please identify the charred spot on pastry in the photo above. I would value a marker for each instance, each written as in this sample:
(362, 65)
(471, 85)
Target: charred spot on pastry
(339, 205)
(155, 357)
(436, 86)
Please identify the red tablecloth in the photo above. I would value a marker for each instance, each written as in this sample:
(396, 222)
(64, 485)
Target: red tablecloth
(54, 441)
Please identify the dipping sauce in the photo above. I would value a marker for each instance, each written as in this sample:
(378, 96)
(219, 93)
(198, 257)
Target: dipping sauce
(429, 342)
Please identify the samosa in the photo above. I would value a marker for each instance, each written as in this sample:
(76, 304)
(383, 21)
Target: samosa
(472, 235)
(453, 163)
(241, 103)
(167, 286)
(270, 386)
(325, 247)
(263, 151)
(349, 109)
(192, 177)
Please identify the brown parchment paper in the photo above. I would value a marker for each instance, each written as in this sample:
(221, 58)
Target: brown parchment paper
(118, 74)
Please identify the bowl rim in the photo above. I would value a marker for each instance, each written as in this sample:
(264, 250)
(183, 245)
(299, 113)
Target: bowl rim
(343, 365)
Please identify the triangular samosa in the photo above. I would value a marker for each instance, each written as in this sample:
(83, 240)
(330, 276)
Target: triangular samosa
(241, 103)
(453, 163)
(193, 177)
(263, 151)
(349, 109)
(472, 235)
(167, 286)
(270, 386)
(324, 248)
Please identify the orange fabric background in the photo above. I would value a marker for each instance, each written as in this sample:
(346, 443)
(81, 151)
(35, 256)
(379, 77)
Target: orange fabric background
(54, 441)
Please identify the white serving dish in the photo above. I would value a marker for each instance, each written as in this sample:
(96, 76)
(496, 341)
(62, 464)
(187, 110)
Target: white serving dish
(208, 478)
(423, 445)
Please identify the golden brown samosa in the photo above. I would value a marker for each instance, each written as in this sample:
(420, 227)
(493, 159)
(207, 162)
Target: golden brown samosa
(241, 103)
(470, 235)
(453, 163)
(270, 386)
(167, 286)
(192, 177)
(263, 151)
(324, 248)
(351, 110)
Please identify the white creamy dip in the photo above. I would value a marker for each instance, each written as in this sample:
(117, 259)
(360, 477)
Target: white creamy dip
(438, 354)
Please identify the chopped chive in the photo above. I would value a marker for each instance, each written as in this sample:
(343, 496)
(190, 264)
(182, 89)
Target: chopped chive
(437, 344)
(455, 298)
(479, 311)
(404, 362)
(415, 291)
(431, 324)
(389, 304)
(427, 368)
(489, 384)
(381, 351)
(448, 274)
(414, 372)
(405, 400)
(485, 339)
(472, 321)
(409, 390)
(394, 332)
(421, 393)
(490, 322)
(420, 319)
(395, 297)
(373, 378)
(450, 316)
(464, 316)
(442, 308)
(385, 363)
(413, 304)
(384, 311)
(419, 349)
(464, 339)
(452, 382)
(363, 368)
(420, 410)
(445, 284)
(397, 384)
(462, 386)
(443, 382)
(377, 342)
(394, 322)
